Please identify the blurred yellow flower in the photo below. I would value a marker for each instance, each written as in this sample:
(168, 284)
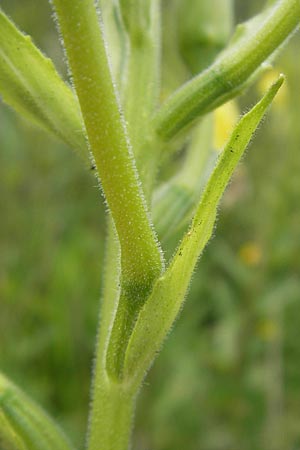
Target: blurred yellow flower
(267, 330)
(225, 118)
(227, 115)
(250, 254)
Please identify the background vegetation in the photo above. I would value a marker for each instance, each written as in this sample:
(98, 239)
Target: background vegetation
(228, 377)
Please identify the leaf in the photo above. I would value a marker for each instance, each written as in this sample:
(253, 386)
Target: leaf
(24, 425)
(9, 439)
(30, 84)
(162, 307)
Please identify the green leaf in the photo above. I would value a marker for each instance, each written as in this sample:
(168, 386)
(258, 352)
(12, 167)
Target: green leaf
(24, 425)
(30, 84)
(161, 309)
(9, 439)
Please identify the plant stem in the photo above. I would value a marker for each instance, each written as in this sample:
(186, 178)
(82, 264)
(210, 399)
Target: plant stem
(231, 70)
(85, 48)
(111, 423)
(141, 263)
(110, 296)
(98, 423)
(141, 91)
(204, 28)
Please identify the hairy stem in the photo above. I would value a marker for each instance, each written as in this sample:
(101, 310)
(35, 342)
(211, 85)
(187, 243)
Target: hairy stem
(111, 423)
(141, 263)
(97, 423)
(85, 48)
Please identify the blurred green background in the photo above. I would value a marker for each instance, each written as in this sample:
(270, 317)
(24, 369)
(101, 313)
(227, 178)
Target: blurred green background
(229, 375)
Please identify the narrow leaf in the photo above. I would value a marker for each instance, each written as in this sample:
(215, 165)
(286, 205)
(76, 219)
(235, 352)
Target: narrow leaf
(162, 307)
(30, 84)
(30, 428)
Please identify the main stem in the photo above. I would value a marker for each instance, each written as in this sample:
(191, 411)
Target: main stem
(111, 427)
(141, 264)
(106, 131)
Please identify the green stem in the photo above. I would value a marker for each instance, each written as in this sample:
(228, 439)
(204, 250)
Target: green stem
(204, 28)
(141, 263)
(85, 48)
(111, 424)
(141, 91)
(97, 424)
(110, 296)
(223, 80)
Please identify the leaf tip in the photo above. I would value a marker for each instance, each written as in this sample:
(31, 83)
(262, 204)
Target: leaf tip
(281, 79)
(271, 92)
(277, 84)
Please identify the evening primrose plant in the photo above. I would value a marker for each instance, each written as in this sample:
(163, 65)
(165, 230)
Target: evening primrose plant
(143, 124)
